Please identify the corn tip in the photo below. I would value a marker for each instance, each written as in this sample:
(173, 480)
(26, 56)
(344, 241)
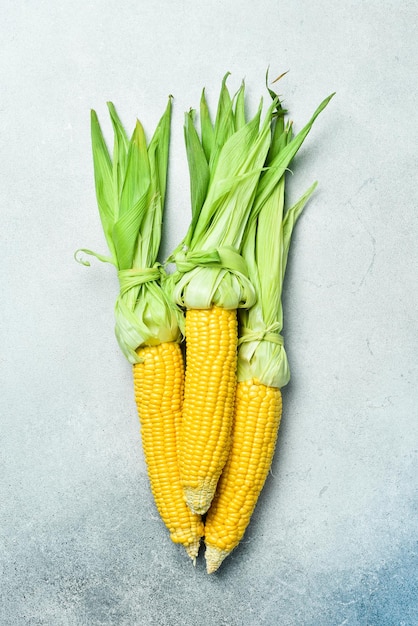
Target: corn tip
(214, 558)
(193, 550)
(198, 499)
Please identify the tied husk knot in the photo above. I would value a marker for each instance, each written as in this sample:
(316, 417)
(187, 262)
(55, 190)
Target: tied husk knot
(223, 257)
(144, 315)
(130, 278)
(216, 277)
(254, 335)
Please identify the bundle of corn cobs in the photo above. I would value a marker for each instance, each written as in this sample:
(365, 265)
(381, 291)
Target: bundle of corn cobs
(208, 429)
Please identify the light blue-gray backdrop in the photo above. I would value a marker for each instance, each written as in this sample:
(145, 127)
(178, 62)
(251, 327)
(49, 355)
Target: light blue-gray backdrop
(334, 537)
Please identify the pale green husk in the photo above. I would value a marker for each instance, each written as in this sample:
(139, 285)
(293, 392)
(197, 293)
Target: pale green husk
(225, 164)
(261, 352)
(130, 190)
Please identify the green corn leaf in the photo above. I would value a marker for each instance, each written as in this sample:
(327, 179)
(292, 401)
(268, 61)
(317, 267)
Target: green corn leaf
(158, 152)
(120, 152)
(281, 160)
(207, 131)
(126, 232)
(235, 159)
(198, 167)
(158, 161)
(239, 113)
(137, 177)
(133, 200)
(224, 123)
(289, 221)
(103, 181)
(278, 129)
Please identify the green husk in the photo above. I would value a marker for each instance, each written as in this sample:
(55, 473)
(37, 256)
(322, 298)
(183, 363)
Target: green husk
(130, 190)
(225, 164)
(261, 352)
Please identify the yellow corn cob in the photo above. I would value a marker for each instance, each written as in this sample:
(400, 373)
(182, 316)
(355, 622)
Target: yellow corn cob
(211, 339)
(257, 416)
(158, 384)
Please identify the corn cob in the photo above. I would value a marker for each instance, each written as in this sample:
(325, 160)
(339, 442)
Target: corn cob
(258, 409)
(158, 384)
(225, 165)
(210, 384)
(130, 194)
(262, 363)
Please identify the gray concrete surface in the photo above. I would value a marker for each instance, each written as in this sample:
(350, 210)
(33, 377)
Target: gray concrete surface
(333, 539)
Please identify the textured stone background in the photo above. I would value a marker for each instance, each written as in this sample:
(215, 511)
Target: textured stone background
(333, 539)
